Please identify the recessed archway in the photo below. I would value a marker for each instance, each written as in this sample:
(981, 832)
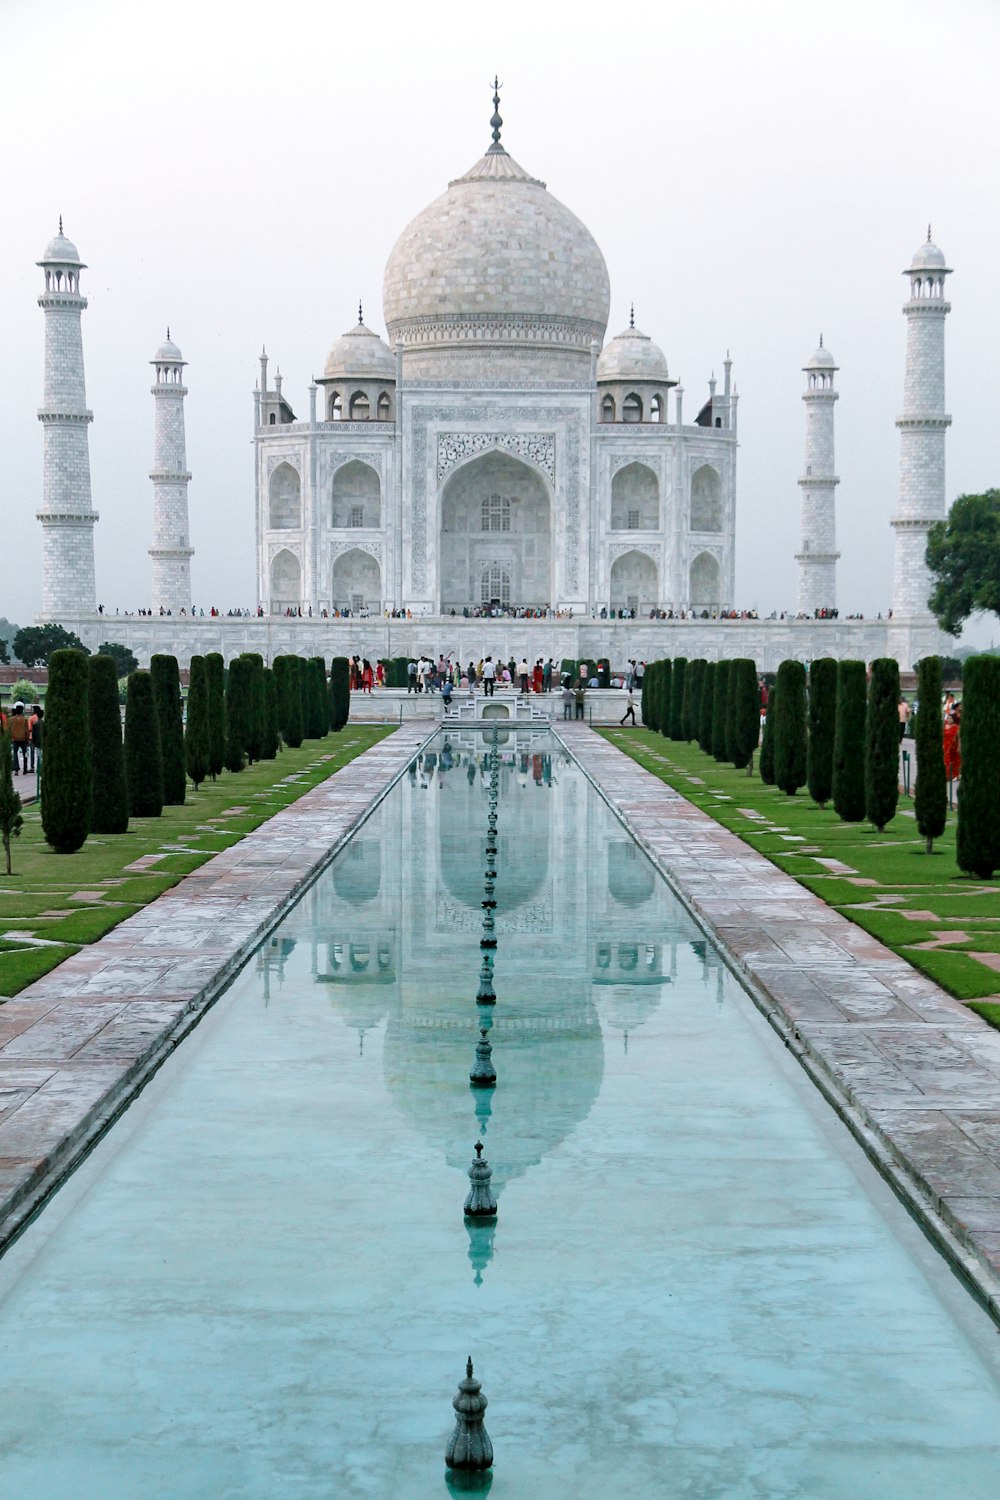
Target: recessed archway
(495, 515)
(634, 583)
(706, 582)
(357, 496)
(635, 499)
(286, 582)
(284, 493)
(706, 500)
(356, 581)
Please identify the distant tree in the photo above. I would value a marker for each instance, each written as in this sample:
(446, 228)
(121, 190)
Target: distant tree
(706, 711)
(694, 679)
(766, 761)
(790, 728)
(125, 660)
(822, 728)
(238, 689)
(678, 681)
(743, 713)
(930, 797)
(170, 717)
(34, 644)
(272, 730)
(196, 729)
(340, 692)
(143, 757)
(849, 742)
(978, 845)
(963, 555)
(664, 689)
(11, 821)
(720, 702)
(66, 775)
(319, 699)
(4, 656)
(255, 718)
(215, 669)
(951, 669)
(109, 788)
(8, 630)
(882, 743)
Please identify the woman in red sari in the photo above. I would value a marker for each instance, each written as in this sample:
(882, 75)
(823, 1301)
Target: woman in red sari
(536, 678)
(952, 745)
(367, 677)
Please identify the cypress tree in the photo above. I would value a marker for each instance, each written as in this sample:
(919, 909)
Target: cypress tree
(678, 682)
(707, 707)
(646, 695)
(296, 702)
(237, 713)
(109, 805)
(340, 692)
(930, 797)
(281, 684)
(663, 690)
(66, 768)
(743, 717)
(720, 698)
(255, 705)
(790, 728)
(272, 729)
(978, 846)
(196, 732)
(143, 758)
(767, 739)
(170, 717)
(11, 821)
(882, 743)
(319, 699)
(694, 679)
(849, 743)
(215, 669)
(822, 728)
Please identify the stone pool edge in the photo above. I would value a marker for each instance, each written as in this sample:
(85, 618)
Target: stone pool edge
(80, 1043)
(877, 1075)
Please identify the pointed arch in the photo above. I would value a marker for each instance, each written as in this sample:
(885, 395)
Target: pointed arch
(635, 499)
(356, 581)
(284, 498)
(286, 581)
(356, 495)
(706, 499)
(706, 582)
(634, 582)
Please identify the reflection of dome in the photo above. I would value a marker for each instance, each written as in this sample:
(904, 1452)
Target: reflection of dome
(495, 266)
(626, 1007)
(522, 861)
(630, 876)
(632, 356)
(357, 871)
(360, 354)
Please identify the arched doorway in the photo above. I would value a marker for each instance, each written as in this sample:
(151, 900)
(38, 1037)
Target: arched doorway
(284, 499)
(706, 500)
(635, 499)
(496, 520)
(357, 496)
(286, 582)
(356, 582)
(634, 581)
(706, 582)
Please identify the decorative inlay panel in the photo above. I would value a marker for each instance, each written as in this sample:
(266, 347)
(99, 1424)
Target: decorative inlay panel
(357, 544)
(538, 448)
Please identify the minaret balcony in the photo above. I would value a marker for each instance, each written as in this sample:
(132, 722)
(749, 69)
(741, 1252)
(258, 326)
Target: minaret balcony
(55, 416)
(819, 481)
(929, 421)
(174, 476)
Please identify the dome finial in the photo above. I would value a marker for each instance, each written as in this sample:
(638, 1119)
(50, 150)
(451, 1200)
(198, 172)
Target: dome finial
(631, 315)
(168, 333)
(60, 224)
(928, 232)
(361, 316)
(497, 120)
(821, 341)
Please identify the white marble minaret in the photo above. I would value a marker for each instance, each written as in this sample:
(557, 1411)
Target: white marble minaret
(67, 513)
(922, 429)
(170, 551)
(817, 558)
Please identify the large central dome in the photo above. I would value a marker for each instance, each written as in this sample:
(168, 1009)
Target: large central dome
(496, 279)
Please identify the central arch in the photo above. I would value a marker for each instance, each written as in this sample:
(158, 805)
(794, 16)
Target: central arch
(496, 521)
(634, 582)
(356, 581)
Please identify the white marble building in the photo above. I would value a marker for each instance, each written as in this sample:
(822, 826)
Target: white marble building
(492, 451)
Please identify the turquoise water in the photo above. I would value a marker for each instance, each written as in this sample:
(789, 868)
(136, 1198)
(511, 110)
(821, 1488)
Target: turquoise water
(261, 1283)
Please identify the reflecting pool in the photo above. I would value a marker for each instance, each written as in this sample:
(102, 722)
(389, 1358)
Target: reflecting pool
(262, 1285)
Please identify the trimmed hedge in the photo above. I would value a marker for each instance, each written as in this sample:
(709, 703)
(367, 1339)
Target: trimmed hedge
(678, 680)
(664, 685)
(978, 846)
(882, 743)
(238, 688)
(694, 679)
(743, 713)
(109, 790)
(254, 726)
(66, 764)
(196, 729)
(849, 742)
(170, 717)
(340, 692)
(215, 667)
(766, 760)
(143, 759)
(707, 708)
(822, 728)
(930, 795)
(318, 699)
(720, 698)
(790, 728)
(272, 730)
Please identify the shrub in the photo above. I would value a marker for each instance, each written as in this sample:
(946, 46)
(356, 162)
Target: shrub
(743, 713)
(767, 741)
(196, 730)
(930, 798)
(569, 668)
(66, 768)
(822, 728)
(215, 668)
(340, 692)
(319, 700)
(979, 789)
(707, 707)
(143, 760)
(272, 728)
(170, 717)
(694, 679)
(790, 728)
(255, 705)
(24, 692)
(849, 743)
(720, 695)
(882, 743)
(238, 690)
(678, 681)
(11, 821)
(297, 699)
(603, 672)
(287, 677)
(664, 683)
(109, 789)
(646, 695)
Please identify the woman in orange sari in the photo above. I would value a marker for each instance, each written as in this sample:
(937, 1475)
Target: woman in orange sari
(536, 678)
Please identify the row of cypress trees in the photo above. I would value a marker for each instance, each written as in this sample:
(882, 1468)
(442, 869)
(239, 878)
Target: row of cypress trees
(93, 782)
(715, 703)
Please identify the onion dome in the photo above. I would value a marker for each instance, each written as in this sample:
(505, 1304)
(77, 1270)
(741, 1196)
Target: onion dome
(360, 354)
(60, 251)
(630, 356)
(821, 360)
(928, 257)
(168, 353)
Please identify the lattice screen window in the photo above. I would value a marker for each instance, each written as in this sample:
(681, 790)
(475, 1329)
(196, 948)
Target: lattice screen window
(633, 520)
(357, 515)
(494, 584)
(496, 513)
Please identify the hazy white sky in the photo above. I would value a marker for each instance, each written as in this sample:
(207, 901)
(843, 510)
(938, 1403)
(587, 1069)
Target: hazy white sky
(755, 173)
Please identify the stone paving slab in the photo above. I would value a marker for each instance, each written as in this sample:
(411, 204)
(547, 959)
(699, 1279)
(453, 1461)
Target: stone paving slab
(76, 1045)
(915, 1074)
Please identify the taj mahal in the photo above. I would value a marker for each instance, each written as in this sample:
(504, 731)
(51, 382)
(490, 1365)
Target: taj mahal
(496, 466)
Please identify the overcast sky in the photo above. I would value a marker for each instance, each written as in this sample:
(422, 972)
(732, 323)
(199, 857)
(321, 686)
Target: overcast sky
(755, 173)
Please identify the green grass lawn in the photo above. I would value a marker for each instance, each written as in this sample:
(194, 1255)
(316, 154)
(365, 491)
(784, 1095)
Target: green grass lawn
(55, 903)
(918, 904)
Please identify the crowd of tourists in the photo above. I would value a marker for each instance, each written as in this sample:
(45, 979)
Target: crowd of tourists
(24, 725)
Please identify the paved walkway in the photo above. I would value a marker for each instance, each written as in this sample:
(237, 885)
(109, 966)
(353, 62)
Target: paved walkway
(914, 1073)
(76, 1045)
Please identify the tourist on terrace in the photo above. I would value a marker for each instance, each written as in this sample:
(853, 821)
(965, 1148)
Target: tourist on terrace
(489, 674)
(567, 700)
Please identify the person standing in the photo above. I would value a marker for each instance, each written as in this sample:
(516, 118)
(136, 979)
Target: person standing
(579, 697)
(629, 711)
(522, 672)
(537, 676)
(489, 674)
(567, 700)
(19, 738)
(547, 676)
(904, 716)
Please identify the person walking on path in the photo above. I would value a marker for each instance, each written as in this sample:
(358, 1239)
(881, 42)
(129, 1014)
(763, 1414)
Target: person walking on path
(630, 710)
(19, 738)
(489, 676)
(567, 697)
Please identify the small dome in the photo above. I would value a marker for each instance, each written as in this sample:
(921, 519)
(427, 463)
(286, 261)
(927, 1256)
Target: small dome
(928, 258)
(168, 353)
(61, 251)
(360, 354)
(821, 360)
(632, 356)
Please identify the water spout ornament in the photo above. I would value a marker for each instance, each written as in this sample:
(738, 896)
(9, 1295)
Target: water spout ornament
(484, 1074)
(480, 1204)
(469, 1447)
(486, 994)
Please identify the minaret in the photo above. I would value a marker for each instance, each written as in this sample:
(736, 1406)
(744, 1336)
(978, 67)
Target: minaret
(817, 559)
(922, 429)
(67, 513)
(170, 551)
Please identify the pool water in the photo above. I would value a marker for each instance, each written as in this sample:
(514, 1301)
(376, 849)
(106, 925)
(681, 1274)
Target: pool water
(261, 1284)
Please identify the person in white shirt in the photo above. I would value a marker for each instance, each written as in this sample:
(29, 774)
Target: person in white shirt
(489, 676)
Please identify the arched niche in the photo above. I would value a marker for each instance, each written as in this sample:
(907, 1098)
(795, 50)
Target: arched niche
(356, 581)
(360, 408)
(635, 499)
(495, 512)
(706, 499)
(632, 408)
(284, 499)
(286, 581)
(634, 582)
(706, 582)
(357, 496)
